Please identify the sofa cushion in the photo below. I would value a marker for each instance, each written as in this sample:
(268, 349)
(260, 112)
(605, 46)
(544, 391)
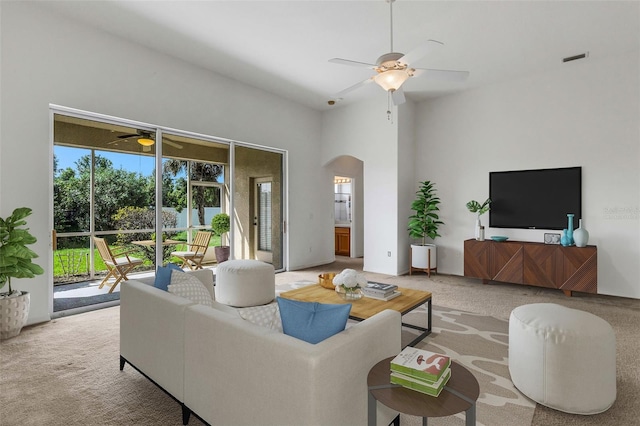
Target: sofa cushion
(163, 275)
(189, 287)
(312, 321)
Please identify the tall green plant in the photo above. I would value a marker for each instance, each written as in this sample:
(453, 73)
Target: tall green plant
(15, 256)
(425, 222)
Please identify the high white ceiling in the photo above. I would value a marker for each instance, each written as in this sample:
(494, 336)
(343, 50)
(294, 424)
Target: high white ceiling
(284, 46)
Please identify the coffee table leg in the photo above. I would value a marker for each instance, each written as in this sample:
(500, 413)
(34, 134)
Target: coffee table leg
(371, 410)
(470, 415)
(425, 421)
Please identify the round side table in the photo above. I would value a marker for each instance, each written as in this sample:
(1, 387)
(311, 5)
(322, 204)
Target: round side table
(459, 394)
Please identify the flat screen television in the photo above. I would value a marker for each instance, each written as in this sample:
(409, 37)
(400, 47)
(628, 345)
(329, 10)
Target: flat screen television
(535, 199)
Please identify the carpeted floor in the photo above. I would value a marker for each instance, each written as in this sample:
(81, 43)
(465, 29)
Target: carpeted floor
(65, 372)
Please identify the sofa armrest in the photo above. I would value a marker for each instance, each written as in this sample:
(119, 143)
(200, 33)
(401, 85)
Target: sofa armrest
(152, 334)
(240, 373)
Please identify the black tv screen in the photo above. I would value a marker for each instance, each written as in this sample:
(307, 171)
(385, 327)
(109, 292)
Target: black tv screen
(535, 199)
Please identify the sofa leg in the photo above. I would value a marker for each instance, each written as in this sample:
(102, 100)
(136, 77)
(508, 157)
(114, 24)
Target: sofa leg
(186, 414)
(122, 361)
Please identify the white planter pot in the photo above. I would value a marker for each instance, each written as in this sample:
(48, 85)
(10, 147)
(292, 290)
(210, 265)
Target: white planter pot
(14, 312)
(420, 255)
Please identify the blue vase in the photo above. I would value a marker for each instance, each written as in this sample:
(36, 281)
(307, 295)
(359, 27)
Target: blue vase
(570, 229)
(564, 240)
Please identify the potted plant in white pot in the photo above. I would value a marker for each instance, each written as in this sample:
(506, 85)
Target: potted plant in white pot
(424, 223)
(15, 262)
(475, 207)
(220, 225)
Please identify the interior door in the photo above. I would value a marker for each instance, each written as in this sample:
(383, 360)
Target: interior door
(262, 220)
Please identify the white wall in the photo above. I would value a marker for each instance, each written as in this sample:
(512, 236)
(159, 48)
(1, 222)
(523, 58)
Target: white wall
(585, 114)
(407, 185)
(49, 59)
(363, 131)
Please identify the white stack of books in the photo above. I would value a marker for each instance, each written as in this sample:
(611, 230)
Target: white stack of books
(380, 291)
(421, 370)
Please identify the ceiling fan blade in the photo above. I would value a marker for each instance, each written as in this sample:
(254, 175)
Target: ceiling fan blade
(171, 143)
(420, 52)
(341, 94)
(352, 63)
(398, 96)
(128, 136)
(443, 75)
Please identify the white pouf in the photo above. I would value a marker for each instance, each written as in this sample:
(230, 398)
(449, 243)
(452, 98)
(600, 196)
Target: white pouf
(245, 282)
(563, 358)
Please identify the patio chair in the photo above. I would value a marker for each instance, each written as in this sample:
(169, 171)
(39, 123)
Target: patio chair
(194, 255)
(118, 265)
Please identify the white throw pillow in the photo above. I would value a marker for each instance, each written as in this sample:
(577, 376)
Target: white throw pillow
(189, 287)
(265, 316)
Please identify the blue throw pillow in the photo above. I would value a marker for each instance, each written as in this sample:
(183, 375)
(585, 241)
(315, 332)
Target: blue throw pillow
(312, 321)
(163, 275)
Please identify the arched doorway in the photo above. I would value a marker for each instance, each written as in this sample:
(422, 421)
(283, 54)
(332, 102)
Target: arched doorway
(348, 184)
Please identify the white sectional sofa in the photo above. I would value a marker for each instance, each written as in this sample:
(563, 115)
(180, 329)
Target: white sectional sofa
(229, 371)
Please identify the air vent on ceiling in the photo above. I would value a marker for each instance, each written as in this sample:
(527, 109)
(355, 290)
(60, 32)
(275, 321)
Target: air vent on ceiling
(575, 57)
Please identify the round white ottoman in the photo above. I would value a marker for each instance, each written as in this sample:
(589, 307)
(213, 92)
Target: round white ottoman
(563, 358)
(245, 282)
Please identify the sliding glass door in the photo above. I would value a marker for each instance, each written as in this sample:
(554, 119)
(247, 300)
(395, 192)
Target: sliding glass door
(113, 179)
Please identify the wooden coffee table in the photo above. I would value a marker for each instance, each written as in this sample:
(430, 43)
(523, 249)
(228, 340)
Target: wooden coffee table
(459, 394)
(367, 307)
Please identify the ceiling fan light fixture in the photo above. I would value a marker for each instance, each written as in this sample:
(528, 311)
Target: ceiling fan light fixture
(392, 79)
(146, 141)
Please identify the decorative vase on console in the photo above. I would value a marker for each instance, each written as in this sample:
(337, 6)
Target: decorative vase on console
(581, 235)
(475, 207)
(570, 229)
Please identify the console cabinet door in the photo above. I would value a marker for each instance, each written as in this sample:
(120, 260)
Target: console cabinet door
(477, 262)
(579, 269)
(507, 261)
(541, 265)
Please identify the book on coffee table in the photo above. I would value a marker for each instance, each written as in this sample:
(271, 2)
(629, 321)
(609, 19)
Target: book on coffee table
(377, 296)
(420, 364)
(429, 388)
(380, 288)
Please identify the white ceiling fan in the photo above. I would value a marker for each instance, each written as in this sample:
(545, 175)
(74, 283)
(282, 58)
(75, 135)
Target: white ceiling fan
(393, 68)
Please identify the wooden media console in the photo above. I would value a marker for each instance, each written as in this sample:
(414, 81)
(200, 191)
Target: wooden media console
(542, 265)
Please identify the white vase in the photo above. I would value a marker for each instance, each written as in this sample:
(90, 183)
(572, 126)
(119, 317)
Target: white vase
(580, 235)
(478, 225)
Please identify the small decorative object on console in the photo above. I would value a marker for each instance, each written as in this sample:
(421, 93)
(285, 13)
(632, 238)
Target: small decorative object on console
(551, 238)
(499, 238)
(570, 229)
(581, 235)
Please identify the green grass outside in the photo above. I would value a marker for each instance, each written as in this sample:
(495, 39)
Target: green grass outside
(70, 262)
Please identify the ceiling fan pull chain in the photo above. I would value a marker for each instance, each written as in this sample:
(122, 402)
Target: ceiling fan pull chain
(389, 107)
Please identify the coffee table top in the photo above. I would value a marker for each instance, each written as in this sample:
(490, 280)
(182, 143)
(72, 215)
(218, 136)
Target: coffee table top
(363, 308)
(459, 394)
